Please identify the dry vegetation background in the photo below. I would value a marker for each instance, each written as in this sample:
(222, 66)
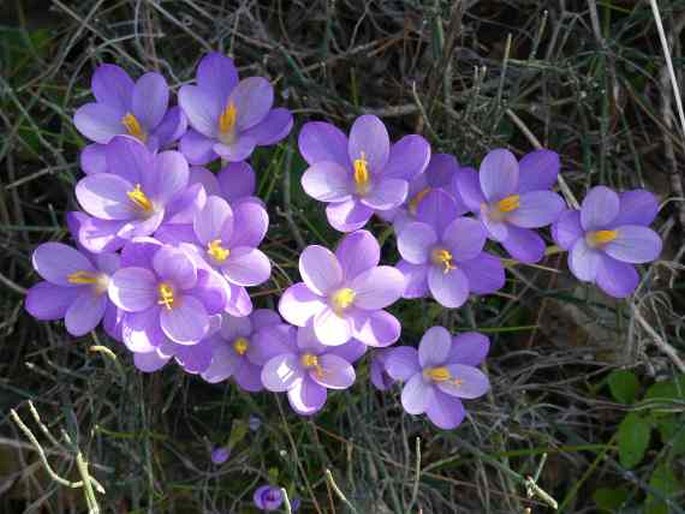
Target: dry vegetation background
(585, 78)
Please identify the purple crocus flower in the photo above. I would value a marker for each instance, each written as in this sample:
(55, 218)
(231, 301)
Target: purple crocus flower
(607, 236)
(362, 175)
(123, 107)
(75, 288)
(344, 293)
(235, 352)
(379, 375)
(220, 454)
(440, 374)
(440, 173)
(168, 304)
(513, 197)
(443, 254)
(268, 498)
(303, 367)
(129, 200)
(229, 118)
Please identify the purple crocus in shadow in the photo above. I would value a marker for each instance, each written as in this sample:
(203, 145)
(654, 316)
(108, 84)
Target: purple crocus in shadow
(235, 352)
(442, 254)
(344, 293)
(511, 198)
(220, 454)
(268, 498)
(74, 288)
(169, 305)
(303, 367)
(360, 175)
(440, 374)
(607, 236)
(131, 199)
(377, 372)
(440, 173)
(138, 109)
(229, 118)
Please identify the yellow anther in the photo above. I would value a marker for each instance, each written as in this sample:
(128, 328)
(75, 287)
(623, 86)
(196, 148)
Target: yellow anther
(508, 204)
(227, 119)
(600, 237)
(439, 374)
(218, 252)
(132, 126)
(309, 360)
(241, 345)
(342, 299)
(444, 258)
(361, 174)
(414, 202)
(166, 295)
(83, 277)
(140, 199)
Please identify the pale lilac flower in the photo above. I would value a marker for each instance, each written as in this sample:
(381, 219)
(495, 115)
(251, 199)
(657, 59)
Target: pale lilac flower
(75, 288)
(235, 351)
(440, 374)
(377, 371)
(233, 182)
(440, 174)
(360, 175)
(268, 498)
(303, 367)
(443, 254)
(254, 422)
(131, 199)
(607, 236)
(170, 306)
(220, 454)
(229, 118)
(344, 293)
(511, 198)
(123, 107)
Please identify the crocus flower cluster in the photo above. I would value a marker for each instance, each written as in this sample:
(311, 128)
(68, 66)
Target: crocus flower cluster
(165, 249)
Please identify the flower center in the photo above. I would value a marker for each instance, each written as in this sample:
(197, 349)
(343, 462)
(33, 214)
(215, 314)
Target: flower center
(414, 202)
(98, 280)
(166, 295)
(342, 299)
(140, 199)
(227, 121)
(599, 238)
(217, 252)
(443, 257)
(241, 345)
(508, 204)
(441, 374)
(132, 126)
(361, 174)
(311, 361)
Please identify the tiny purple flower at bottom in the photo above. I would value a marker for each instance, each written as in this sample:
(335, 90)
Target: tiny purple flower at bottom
(267, 498)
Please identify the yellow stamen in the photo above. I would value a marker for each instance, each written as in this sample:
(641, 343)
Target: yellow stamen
(311, 361)
(83, 277)
(227, 119)
(342, 299)
(361, 174)
(600, 237)
(443, 257)
(414, 202)
(218, 252)
(166, 295)
(241, 345)
(508, 204)
(132, 126)
(441, 374)
(140, 199)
